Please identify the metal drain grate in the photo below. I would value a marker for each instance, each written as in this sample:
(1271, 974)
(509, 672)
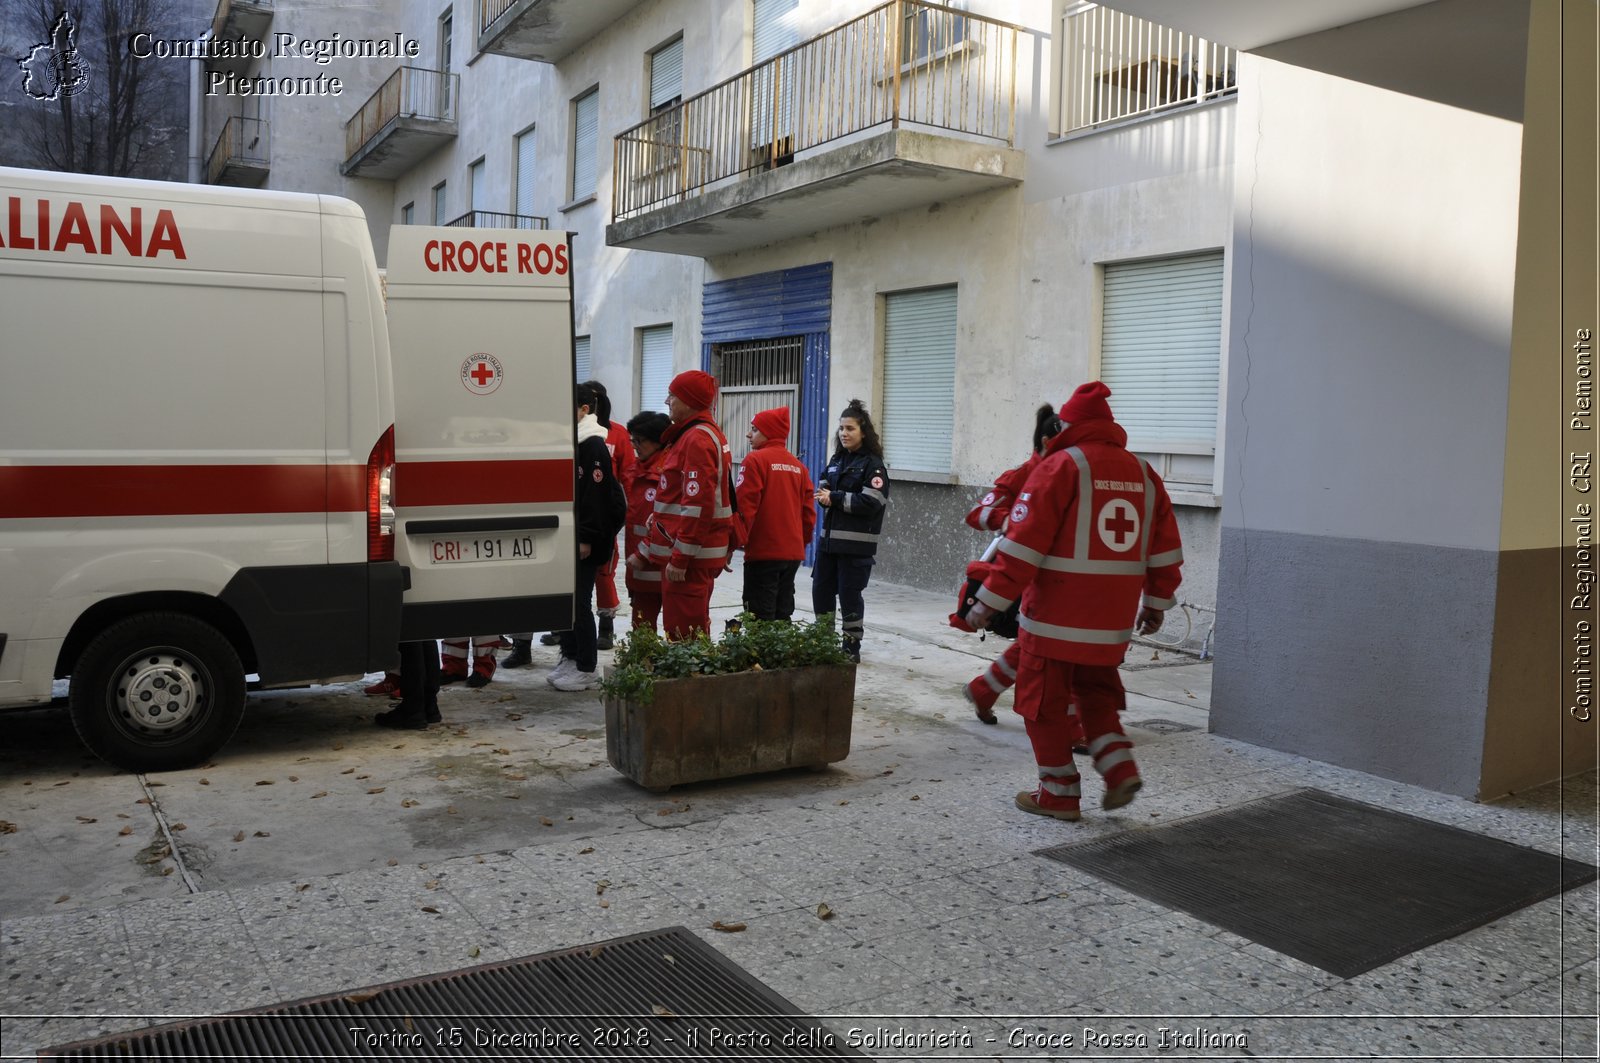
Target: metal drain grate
(661, 994)
(1163, 727)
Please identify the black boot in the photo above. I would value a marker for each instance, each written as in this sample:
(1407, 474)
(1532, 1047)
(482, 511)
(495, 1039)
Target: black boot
(550, 638)
(853, 648)
(521, 655)
(402, 718)
(607, 632)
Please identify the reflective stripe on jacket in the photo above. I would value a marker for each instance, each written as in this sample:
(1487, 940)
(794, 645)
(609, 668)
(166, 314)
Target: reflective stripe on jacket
(859, 488)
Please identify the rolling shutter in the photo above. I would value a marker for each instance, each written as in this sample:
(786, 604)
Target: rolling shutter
(580, 357)
(666, 74)
(919, 379)
(1161, 351)
(774, 31)
(655, 367)
(585, 143)
(525, 174)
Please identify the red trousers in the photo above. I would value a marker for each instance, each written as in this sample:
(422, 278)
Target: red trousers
(1046, 689)
(605, 586)
(686, 606)
(646, 608)
(1000, 677)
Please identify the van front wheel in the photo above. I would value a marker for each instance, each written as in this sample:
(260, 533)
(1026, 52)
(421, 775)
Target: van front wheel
(157, 692)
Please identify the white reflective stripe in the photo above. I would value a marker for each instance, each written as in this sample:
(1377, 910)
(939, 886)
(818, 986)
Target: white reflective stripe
(1149, 510)
(845, 505)
(855, 537)
(1093, 636)
(996, 683)
(1080, 539)
(1061, 770)
(984, 514)
(456, 649)
(657, 550)
(875, 494)
(692, 550)
(993, 600)
(1056, 563)
(1061, 789)
(1005, 669)
(1098, 746)
(1024, 553)
(1171, 557)
(1162, 604)
(677, 511)
(640, 529)
(724, 509)
(1112, 759)
(721, 513)
(649, 575)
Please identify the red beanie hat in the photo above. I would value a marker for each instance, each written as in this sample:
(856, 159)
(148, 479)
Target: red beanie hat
(774, 424)
(1088, 403)
(695, 388)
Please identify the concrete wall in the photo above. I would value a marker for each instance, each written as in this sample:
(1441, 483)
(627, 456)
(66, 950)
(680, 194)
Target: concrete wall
(1373, 262)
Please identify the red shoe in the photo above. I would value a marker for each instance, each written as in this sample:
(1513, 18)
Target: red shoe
(1027, 800)
(388, 688)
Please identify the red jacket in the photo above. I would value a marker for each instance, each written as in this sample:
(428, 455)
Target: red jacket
(1091, 530)
(640, 485)
(775, 514)
(693, 517)
(620, 445)
(990, 512)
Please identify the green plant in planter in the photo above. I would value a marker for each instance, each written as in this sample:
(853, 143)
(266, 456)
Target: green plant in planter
(643, 656)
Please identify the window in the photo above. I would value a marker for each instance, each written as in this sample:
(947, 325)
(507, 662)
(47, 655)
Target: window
(477, 195)
(446, 39)
(665, 135)
(919, 378)
(580, 356)
(774, 31)
(585, 143)
(655, 367)
(408, 214)
(1112, 67)
(439, 216)
(930, 32)
(525, 177)
(1161, 356)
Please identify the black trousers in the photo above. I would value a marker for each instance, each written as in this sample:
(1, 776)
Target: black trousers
(580, 642)
(769, 589)
(419, 678)
(841, 577)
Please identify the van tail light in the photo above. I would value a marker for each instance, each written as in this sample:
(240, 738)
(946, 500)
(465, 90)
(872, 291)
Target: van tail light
(380, 498)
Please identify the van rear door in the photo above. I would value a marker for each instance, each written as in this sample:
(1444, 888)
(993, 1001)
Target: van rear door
(480, 331)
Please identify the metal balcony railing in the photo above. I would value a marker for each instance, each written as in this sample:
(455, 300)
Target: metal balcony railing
(906, 62)
(410, 92)
(1115, 67)
(489, 12)
(486, 219)
(243, 140)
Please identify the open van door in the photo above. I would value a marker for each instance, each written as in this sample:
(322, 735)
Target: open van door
(480, 333)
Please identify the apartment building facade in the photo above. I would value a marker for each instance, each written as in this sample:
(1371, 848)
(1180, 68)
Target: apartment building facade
(956, 212)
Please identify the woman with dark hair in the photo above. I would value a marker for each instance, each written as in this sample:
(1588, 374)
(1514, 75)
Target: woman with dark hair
(621, 451)
(644, 585)
(853, 493)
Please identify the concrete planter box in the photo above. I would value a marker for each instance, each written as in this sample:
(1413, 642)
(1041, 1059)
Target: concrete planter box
(722, 726)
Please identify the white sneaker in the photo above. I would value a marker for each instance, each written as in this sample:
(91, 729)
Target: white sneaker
(576, 680)
(566, 665)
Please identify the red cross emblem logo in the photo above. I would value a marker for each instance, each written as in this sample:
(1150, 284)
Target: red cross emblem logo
(1118, 524)
(481, 374)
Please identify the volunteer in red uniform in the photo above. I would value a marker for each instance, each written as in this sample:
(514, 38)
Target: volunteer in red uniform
(454, 667)
(644, 585)
(621, 450)
(689, 530)
(773, 518)
(1092, 530)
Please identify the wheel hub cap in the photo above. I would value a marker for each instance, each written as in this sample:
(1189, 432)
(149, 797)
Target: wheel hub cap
(159, 692)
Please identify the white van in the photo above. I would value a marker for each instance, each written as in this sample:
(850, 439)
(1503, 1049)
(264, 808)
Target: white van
(219, 456)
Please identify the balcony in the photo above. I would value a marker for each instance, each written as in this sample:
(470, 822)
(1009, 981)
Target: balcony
(907, 105)
(404, 122)
(486, 219)
(544, 30)
(242, 155)
(240, 20)
(1117, 67)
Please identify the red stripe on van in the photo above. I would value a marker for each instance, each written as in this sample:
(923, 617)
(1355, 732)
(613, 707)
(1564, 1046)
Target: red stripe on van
(178, 490)
(467, 483)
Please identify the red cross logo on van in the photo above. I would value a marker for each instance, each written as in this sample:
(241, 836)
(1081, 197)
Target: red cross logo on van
(481, 374)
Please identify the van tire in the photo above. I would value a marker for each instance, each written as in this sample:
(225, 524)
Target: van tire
(136, 664)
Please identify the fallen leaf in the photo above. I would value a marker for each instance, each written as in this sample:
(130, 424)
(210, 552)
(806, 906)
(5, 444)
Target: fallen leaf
(1190, 695)
(400, 745)
(433, 885)
(728, 928)
(151, 783)
(474, 952)
(302, 887)
(442, 778)
(605, 904)
(294, 778)
(503, 752)
(393, 862)
(319, 793)
(547, 821)
(263, 834)
(595, 952)
(516, 776)
(360, 778)
(409, 803)
(513, 797)
(239, 837)
(662, 1012)
(64, 782)
(600, 887)
(360, 998)
(665, 811)
(670, 958)
(205, 782)
(377, 789)
(142, 801)
(125, 831)
(123, 815)
(297, 760)
(430, 909)
(586, 850)
(916, 797)
(168, 870)
(511, 715)
(180, 826)
(887, 771)
(347, 771)
(844, 802)
(263, 782)
(824, 912)
(87, 819)
(64, 897)
(450, 810)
